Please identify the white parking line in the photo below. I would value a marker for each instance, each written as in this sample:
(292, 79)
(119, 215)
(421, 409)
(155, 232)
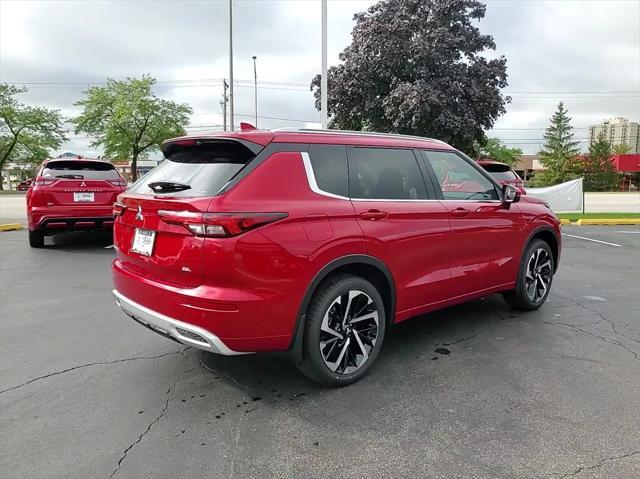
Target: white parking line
(629, 232)
(591, 239)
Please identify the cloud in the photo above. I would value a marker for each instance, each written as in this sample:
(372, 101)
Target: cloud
(560, 50)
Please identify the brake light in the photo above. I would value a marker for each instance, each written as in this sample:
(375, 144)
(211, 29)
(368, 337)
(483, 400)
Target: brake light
(219, 224)
(118, 209)
(119, 182)
(43, 181)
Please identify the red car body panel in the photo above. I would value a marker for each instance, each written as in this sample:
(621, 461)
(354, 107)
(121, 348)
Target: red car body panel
(249, 290)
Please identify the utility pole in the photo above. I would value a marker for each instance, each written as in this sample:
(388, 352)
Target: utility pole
(223, 104)
(323, 78)
(255, 89)
(231, 65)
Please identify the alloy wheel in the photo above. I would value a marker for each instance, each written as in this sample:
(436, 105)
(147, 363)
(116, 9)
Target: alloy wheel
(349, 332)
(538, 275)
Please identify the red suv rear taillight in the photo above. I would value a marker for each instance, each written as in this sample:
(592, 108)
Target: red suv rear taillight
(218, 224)
(118, 209)
(43, 181)
(120, 182)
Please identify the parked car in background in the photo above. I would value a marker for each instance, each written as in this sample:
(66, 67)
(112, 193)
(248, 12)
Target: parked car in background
(24, 184)
(503, 173)
(72, 194)
(317, 241)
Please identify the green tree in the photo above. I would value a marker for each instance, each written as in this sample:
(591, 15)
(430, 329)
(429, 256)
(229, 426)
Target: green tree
(621, 149)
(418, 67)
(559, 151)
(27, 134)
(495, 150)
(597, 168)
(128, 120)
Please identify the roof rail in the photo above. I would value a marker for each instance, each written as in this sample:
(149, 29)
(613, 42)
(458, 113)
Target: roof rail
(359, 133)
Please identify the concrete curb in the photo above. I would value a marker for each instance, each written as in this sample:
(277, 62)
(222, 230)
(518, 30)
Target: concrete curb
(608, 221)
(11, 226)
(600, 221)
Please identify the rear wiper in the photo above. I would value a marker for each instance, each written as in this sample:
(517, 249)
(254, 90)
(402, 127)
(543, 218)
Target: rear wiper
(71, 177)
(166, 186)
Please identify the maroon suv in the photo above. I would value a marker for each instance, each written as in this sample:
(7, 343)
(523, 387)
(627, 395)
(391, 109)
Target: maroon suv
(69, 195)
(316, 242)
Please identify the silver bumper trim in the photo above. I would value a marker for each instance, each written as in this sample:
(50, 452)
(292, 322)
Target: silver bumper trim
(167, 326)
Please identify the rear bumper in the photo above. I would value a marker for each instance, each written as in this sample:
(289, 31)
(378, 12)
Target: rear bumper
(63, 218)
(180, 331)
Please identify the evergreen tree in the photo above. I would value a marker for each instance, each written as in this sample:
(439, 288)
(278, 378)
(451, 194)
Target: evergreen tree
(598, 170)
(559, 151)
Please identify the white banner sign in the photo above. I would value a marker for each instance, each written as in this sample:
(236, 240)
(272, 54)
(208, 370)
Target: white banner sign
(566, 196)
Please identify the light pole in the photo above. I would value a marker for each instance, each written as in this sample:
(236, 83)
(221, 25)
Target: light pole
(323, 78)
(255, 89)
(231, 65)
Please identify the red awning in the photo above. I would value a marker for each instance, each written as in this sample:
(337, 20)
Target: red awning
(626, 162)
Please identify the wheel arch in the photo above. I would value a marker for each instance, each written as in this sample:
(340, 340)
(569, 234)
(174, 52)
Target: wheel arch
(368, 267)
(549, 236)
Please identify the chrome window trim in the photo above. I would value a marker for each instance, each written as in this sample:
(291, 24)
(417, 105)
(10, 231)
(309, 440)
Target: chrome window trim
(313, 185)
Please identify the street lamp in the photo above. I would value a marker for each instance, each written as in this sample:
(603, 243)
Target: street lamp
(255, 89)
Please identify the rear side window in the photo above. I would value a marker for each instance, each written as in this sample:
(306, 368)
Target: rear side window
(80, 170)
(459, 179)
(196, 170)
(329, 163)
(385, 174)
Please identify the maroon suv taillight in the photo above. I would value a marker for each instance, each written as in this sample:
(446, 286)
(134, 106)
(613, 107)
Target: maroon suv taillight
(120, 182)
(218, 224)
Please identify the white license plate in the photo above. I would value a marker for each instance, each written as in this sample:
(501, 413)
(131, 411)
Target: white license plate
(83, 197)
(143, 242)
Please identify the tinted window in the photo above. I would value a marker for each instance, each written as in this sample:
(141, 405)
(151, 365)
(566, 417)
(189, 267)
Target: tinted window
(80, 169)
(329, 164)
(504, 175)
(204, 168)
(458, 179)
(386, 174)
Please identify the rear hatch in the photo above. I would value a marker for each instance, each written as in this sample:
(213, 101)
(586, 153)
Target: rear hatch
(80, 183)
(157, 218)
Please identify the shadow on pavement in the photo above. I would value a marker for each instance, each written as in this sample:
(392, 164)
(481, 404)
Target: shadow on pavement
(429, 337)
(80, 240)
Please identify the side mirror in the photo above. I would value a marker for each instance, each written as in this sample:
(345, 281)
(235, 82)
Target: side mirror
(510, 194)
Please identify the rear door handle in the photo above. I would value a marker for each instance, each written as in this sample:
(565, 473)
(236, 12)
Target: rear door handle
(373, 215)
(460, 212)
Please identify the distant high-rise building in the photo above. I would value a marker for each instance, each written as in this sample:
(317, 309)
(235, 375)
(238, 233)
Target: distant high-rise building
(618, 131)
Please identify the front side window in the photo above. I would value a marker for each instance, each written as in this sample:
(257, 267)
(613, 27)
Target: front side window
(458, 179)
(385, 174)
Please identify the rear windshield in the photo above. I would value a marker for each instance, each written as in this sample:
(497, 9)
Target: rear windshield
(500, 172)
(193, 171)
(81, 170)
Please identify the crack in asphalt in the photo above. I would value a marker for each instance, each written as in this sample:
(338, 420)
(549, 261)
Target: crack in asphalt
(602, 318)
(152, 423)
(461, 339)
(97, 363)
(230, 378)
(600, 315)
(599, 464)
(574, 327)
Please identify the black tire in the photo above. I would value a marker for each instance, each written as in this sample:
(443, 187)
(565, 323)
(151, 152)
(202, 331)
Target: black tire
(36, 239)
(534, 277)
(361, 340)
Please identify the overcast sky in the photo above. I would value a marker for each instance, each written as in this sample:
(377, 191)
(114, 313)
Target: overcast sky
(585, 53)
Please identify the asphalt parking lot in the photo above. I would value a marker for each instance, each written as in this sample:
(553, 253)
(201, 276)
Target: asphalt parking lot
(473, 391)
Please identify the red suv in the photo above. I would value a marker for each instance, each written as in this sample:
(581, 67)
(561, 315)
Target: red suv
(316, 242)
(71, 195)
